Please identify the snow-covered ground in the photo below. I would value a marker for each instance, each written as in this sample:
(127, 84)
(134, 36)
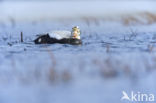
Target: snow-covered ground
(113, 58)
(117, 54)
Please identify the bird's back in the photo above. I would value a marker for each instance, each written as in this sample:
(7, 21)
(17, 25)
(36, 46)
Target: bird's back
(60, 34)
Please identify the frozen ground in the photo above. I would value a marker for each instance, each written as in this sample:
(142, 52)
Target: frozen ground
(115, 56)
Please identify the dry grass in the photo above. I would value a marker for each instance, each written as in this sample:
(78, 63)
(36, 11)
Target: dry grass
(150, 48)
(130, 20)
(150, 17)
(107, 48)
(132, 36)
(140, 18)
(106, 68)
(66, 76)
(55, 76)
(91, 20)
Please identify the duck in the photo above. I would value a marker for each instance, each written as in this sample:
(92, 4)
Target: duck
(63, 37)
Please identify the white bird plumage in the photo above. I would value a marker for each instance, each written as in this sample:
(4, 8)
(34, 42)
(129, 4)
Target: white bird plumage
(74, 33)
(60, 34)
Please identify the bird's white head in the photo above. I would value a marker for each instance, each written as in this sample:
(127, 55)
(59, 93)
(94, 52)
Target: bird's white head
(75, 33)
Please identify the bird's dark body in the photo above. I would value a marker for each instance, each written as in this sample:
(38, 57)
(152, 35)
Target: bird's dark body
(46, 39)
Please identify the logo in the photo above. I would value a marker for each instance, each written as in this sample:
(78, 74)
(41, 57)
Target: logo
(137, 96)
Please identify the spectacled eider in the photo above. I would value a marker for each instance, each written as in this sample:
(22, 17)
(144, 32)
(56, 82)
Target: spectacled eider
(63, 37)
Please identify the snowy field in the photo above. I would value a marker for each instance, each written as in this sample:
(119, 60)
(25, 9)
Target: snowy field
(118, 52)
